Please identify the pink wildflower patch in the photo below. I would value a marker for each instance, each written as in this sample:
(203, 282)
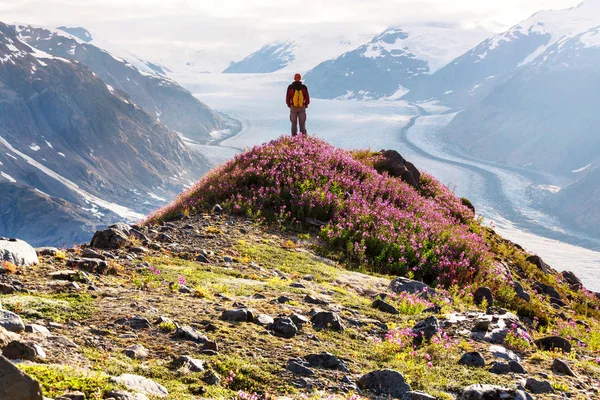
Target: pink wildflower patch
(376, 219)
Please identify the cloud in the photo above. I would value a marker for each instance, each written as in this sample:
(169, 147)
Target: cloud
(158, 28)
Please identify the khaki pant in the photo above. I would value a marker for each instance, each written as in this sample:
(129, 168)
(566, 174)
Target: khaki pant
(298, 114)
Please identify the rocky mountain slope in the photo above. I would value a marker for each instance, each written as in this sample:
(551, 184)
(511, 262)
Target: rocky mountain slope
(71, 136)
(577, 204)
(391, 63)
(202, 303)
(159, 96)
(270, 58)
(473, 75)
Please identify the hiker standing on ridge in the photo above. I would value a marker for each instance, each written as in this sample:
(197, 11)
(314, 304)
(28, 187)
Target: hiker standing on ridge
(297, 99)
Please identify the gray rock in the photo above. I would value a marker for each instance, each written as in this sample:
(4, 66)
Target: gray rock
(298, 367)
(327, 320)
(71, 276)
(500, 368)
(538, 387)
(542, 288)
(385, 382)
(490, 392)
(186, 332)
(11, 321)
(426, 329)
(538, 262)
(123, 395)
(283, 299)
(315, 300)
(483, 293)
(17, 252)
(417, 396)
(326, 361)
(134, 322)
(516, 367)
(192, 364)
(521, 293)
(554, 342)
(561, 367)
(483, 325)
(284, 327)
(5, 288)
(472, 359)
(72, 396)
(35, 328)
(504, 353)
(18, 350)
(297, 285)
(263, 320)
(140, 384)
(15, 384)
(299, 320)
(47, 251)
(401, 285)
(137, 352)
(385, 307)
(572, 280)
(92, 265)
(210, 346)
(211, 378)
(113, 237)
(237, 315)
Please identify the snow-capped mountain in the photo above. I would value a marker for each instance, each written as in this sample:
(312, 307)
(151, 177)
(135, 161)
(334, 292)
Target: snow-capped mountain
(270, 58)
(76, 148)
(390, 63)
(159, 96)
(298, 55)
(476, 73)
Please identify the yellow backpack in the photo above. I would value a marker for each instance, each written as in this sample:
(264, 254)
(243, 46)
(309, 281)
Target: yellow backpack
(298, 98)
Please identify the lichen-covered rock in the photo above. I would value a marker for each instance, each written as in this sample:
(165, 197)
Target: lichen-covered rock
(488, 392)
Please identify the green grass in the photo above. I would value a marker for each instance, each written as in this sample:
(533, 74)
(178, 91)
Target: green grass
(54, 307)
(56, 380)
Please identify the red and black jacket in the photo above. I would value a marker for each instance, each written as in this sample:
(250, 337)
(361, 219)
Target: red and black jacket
(289, 99)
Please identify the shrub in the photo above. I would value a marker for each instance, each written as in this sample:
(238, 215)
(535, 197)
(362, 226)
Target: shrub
(372, 218)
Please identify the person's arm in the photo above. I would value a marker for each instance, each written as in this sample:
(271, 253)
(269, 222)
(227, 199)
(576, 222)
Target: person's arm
(306, 96)
(289, 97)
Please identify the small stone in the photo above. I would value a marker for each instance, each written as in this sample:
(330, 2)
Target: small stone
(134, 322)
(483, 325)
(426, 329)
(384, 382)
(227, 260)
(184, 289)
(35, 328)
(483, 293)
(186, 332)
(140, 384)
(297, 285)
(326, 361)
(521, 293)
(561, 367)
(237, 315)
(123, 395)
(11, 321)
(210, 346)
(192, 364)
(18, 350)
(315, 300)
(417, 396)
(516, 367)
(72, 396)
(6, 288)
(137, 352)
(283, 299)
(202, 258)
(385, 307)
(284, 327)
(139, 250)
(327, 320)
(211, 378)
(538, 262)
(263, 320)
(401, 285)
(490, 392)
(538, 387)
(472, 359)
(500, 368)
(299, 320)
(299, 369)
(554, 342)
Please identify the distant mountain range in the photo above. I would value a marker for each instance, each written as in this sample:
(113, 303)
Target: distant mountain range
(79, 150)
(161, 97)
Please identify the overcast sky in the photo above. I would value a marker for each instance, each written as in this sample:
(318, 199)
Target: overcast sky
(146, 26)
